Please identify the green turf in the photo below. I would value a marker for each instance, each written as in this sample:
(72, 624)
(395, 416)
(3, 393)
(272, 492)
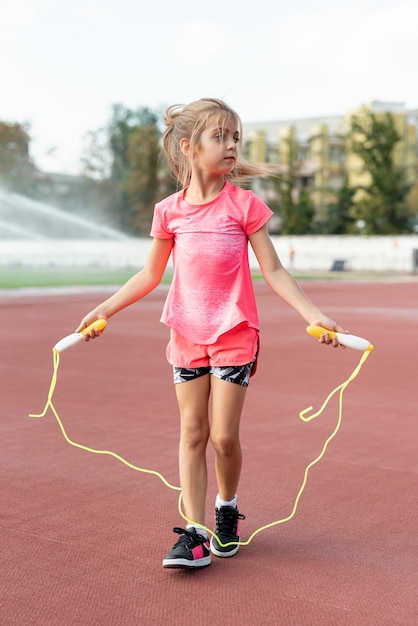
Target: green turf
(16, 277)
(11, 277)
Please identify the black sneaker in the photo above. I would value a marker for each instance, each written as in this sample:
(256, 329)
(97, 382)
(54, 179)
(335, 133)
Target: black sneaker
(227, 530)
(191, 550)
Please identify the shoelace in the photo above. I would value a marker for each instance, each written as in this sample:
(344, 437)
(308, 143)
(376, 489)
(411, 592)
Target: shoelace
(189, 535)
(227, 521)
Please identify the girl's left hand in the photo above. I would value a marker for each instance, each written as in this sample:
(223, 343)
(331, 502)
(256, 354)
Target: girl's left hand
(328, 323)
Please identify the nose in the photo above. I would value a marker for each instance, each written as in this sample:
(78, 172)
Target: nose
(232, 145)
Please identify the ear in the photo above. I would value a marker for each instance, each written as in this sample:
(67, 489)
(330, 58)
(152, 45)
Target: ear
(185, 146)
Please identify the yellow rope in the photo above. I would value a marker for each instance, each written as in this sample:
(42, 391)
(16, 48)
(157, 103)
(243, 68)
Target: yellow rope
(49, 404)
(341, 388)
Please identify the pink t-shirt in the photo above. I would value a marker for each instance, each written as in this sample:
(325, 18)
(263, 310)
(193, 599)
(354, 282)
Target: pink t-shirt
(211, 291)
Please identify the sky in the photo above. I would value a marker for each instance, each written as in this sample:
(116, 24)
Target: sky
(64, 64)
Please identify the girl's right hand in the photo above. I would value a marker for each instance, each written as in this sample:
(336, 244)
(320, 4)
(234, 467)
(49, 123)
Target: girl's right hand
(86, 321)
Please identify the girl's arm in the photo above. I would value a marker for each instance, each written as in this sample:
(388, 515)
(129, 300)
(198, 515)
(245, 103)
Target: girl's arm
(285, 286)
(135, 288)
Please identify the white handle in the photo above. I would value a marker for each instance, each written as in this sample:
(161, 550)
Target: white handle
(67, 342)
(352, 341)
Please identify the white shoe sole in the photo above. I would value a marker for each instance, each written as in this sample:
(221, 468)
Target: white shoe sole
(185, 563)
(217, 552)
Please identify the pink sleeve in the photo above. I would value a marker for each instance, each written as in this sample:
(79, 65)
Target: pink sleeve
(257, 214)
(158, 229)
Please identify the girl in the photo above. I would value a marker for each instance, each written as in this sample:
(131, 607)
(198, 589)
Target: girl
(210, 309)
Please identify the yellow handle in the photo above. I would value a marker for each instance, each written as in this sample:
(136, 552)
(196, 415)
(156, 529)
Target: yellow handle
(317, 331)
(96, 325)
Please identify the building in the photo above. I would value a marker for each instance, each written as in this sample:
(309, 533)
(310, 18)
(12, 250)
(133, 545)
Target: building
(318, 150)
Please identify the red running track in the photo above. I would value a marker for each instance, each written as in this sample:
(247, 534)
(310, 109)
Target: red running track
(83, 536)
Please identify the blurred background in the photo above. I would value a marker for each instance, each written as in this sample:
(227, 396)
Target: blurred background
(325, 92)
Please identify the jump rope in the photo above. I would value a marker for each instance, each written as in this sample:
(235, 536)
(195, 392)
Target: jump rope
(351, 341)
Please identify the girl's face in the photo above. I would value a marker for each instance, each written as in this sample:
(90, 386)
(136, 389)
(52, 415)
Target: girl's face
(217, 151)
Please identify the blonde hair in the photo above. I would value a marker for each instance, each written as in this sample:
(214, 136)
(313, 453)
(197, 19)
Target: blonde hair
(188, 122)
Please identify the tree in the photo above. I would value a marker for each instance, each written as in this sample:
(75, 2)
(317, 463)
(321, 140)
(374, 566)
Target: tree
(381, 204)
(294, 204)
(16, 169)
(340, 219)
(124, 158)
(142, 181)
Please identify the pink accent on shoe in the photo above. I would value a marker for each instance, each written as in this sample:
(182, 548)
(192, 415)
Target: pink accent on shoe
(198, 552)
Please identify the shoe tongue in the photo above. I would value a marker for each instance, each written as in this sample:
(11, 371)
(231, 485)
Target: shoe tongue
(198, 530)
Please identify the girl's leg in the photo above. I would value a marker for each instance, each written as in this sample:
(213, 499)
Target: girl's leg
(227, 402)
(193, 398)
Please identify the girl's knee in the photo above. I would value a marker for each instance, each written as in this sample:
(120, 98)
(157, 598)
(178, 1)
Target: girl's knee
(194, 436)
(225, 444)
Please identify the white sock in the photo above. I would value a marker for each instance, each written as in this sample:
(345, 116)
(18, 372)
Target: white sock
(219, 502)
(198, 529)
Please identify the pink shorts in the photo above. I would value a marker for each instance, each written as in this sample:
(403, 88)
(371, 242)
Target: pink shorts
(238, 346)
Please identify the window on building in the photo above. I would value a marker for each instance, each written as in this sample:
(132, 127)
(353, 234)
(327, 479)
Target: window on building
(336, 155)
(303, 153)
